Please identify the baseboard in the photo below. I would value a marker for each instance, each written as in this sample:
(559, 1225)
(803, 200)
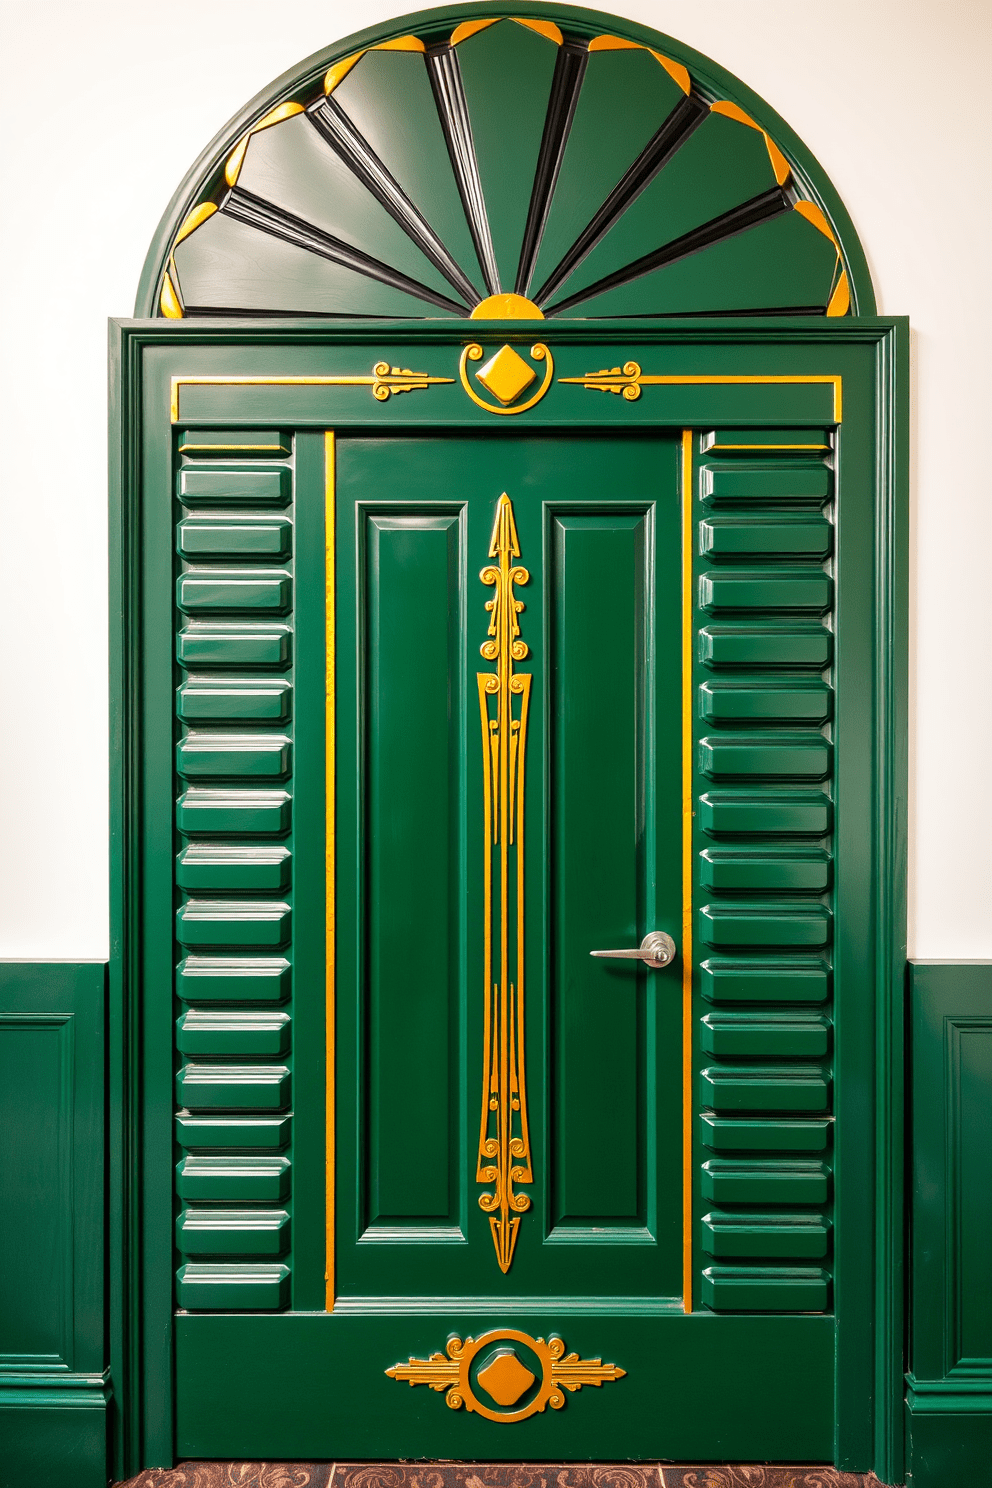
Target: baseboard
(53, 1438)
(950, 1445)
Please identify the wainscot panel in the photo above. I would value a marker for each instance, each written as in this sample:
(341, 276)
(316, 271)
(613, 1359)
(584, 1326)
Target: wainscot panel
(949, 1401)
(53, 1396)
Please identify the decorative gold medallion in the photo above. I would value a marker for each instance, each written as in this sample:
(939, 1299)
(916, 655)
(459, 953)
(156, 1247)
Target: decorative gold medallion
(506, 376)
(520, 1375)
(504, 698)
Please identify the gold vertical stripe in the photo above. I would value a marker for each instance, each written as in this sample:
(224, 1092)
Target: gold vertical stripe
(687, 1092)
(504, 1142)
(329, 781)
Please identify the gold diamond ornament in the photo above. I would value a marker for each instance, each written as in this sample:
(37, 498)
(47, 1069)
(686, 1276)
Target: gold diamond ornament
(505, 1378)
(506, 375)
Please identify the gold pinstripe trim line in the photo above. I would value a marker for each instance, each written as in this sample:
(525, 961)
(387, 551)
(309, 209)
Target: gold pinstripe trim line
(687, 1091)
(329, 865)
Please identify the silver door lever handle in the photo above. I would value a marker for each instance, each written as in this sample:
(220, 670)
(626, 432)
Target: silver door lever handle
(655, 950)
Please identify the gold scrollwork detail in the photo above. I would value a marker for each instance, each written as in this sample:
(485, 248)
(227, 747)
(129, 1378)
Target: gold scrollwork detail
(522, 1380)
(506, 376)
(388, 380)
(625, 380)
(504, 698)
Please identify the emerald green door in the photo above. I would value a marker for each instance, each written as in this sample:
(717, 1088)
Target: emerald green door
(451, 657)
(459, 707)
(508, 650)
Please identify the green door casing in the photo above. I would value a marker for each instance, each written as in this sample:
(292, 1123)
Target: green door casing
(450, 657)
(585, 682)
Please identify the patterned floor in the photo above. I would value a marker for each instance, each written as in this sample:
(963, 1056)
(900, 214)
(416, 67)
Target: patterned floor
(490, 1475)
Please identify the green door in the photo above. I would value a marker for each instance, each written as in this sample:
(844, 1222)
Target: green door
(458, 707)
(508, 658)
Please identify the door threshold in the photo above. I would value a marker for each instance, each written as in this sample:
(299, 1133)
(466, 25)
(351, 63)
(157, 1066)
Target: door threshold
(446, 1474)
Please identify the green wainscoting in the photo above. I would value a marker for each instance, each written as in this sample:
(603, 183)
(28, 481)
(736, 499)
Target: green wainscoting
(949, 1400)
(53, 1386)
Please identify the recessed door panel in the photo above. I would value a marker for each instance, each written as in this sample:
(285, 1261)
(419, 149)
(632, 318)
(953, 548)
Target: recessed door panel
(411, 722)
(517, 1103)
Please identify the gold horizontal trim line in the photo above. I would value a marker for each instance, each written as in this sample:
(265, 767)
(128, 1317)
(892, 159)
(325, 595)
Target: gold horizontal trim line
(383, 381)
(185, 449)
(629, 380)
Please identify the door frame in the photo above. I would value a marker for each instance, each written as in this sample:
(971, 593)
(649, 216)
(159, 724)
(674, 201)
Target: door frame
(141, 1264)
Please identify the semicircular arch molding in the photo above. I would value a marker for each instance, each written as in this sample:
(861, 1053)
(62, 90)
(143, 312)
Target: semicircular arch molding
(471, 163)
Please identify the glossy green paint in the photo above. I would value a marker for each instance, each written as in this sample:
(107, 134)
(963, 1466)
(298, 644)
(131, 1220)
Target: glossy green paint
(256, 1406)
(53, 1400)
(412, 141)
(506, 118)
(507, 71)
(266, 1412)
(597, 519)
(602, 145)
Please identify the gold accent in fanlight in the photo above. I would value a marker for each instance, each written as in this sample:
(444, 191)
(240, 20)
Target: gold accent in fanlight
(339, 70)
(688, 1103)
(451, 1373)
(507, 307)
(472, 28)
(501, 372)
(504, 698)
(385, 381)
(330, 943)
(195, 219)
(817, 217)
(840, 298)
(780, 165)
(236, 159)
(621, 44)
(628, 380)
(169, 302)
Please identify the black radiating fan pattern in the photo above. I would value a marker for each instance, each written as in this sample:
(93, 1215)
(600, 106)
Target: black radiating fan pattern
(582, 177)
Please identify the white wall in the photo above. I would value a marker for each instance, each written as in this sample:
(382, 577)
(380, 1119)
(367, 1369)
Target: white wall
(105, 104)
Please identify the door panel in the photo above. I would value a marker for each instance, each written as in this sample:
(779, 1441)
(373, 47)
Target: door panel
(601, 1043)
(412, 858)
(540, 642)
(603, 1092)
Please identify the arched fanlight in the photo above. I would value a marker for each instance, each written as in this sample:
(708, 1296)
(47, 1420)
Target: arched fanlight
(512, 167)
